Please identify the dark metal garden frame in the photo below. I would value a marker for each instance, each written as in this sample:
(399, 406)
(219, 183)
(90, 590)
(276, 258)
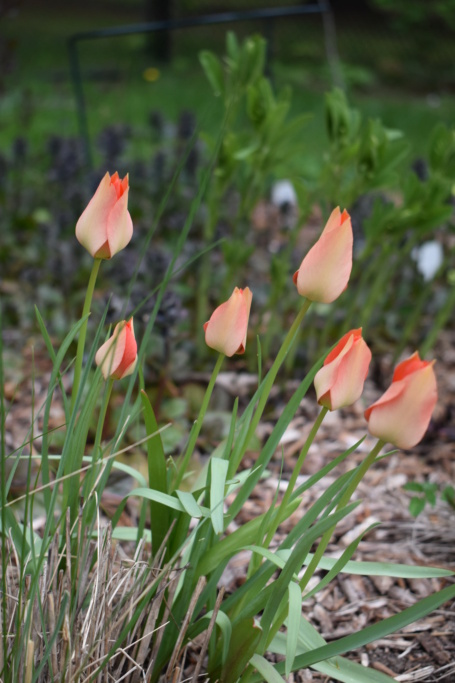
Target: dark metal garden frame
(266, 14)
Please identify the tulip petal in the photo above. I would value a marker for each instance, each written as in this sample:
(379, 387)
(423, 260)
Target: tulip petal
(345, 339)
(336, 218)
(327, 376)
(408, 366)
(119, 225)
(129, 357)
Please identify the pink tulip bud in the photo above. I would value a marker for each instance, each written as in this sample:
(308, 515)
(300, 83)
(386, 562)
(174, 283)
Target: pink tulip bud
(118, 356)
(226, 330)
(105, 226)
(340, 381)
(324, 272)
(401, 416)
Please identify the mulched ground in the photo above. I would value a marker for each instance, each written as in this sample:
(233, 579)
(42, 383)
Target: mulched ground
(424, 651)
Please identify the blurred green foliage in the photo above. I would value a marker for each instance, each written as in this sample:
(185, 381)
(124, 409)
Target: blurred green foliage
(427, 494)
(418, 12)
(397, 196)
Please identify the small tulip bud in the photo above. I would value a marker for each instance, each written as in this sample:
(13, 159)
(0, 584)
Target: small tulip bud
(227, 328)
(105, 227)
(340, 381)
(324, 272)
(117, 357)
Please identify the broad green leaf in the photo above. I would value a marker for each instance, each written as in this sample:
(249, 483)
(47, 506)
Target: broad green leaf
(163, 499)
(413, 486)
(213, 70)
(126, 533)
(384, 569)
(267, 670)
(416, 506)
(362, 568)
(189, 503)
(156, 461)
(222, 620)
(244, 640)
(219, 470)
(232, 45)
(293, 621)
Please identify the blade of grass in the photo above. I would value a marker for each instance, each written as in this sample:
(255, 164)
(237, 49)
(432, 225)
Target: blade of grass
(157, 477)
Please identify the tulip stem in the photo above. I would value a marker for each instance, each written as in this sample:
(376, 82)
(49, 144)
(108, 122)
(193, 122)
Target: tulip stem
(181, 468)
(312, 566)
(345, 498)
(299, 463)
(268, 384)
(83, 332)
(281, 512)
(90, 481)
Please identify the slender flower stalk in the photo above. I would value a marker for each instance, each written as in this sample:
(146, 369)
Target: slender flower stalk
(183, 464)
(298, 465)
(83, 332)
(268, 384)
(345, 498)
(281, 514)
(90, 479)
(323, 543)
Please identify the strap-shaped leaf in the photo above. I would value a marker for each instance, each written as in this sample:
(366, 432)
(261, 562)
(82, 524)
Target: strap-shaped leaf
(219, 470)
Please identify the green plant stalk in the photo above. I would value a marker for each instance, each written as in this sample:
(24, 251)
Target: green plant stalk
(295, 473)
(83, 332)
(344, 500)
(311, 568)
(96, 452)
(280, 515)
(268, 384)
(197, 425)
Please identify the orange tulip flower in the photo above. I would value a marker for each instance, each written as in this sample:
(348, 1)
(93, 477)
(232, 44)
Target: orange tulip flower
(117, 357)
(402, 414)
(226, 330)
(324, 272)
(105, 227)
(340, 381)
